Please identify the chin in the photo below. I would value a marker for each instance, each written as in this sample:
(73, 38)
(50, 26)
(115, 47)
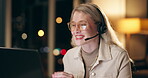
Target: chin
(79, 43)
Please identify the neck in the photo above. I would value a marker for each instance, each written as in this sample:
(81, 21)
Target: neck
(92, 45)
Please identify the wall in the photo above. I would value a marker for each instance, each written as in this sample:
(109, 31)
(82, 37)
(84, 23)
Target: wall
(136, 8)
(138, 42)
(117, 9)
(114, 9)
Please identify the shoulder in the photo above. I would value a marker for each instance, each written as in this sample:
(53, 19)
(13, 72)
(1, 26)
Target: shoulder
(120, 55)
(73, 52)
(118, 52)
(116, 48)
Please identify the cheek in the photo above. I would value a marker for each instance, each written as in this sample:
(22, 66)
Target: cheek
(72, 33)
(93, 30)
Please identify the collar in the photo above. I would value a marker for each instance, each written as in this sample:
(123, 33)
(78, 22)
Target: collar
(77, 53)
(104, 51)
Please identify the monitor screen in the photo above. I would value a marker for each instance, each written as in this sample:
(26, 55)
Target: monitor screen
(20, 63)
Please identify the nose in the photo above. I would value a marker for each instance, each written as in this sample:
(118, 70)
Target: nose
(77, 29)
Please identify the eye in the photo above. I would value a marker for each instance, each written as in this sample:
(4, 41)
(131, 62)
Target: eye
(83, 26)
(72, 24)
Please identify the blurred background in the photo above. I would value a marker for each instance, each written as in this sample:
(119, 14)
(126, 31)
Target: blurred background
(42, 25)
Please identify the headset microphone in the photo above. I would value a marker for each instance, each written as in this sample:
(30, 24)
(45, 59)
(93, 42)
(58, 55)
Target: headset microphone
(91, 37)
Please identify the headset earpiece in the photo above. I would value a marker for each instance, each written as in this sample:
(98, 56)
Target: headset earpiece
(102, 29)
(101, 25)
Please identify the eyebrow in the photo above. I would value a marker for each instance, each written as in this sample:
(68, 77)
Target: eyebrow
(81, 21)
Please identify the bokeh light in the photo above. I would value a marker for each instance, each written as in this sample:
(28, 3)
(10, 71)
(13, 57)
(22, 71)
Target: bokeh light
(63, 51)
(44, 49)
(40, 33)
(24, 36)
(56, 51)
(60, 61)
(59, 20)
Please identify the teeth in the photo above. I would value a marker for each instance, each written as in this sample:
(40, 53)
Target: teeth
(79, 36)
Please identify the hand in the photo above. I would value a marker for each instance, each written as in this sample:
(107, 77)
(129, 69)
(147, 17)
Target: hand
(62, 75)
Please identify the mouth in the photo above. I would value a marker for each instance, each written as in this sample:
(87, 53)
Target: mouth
(79, 37)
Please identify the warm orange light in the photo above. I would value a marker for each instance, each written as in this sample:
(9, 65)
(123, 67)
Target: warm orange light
(144, 24)
(129, 25)
(59, 20)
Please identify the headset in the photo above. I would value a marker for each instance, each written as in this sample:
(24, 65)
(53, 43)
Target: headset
(102, 28)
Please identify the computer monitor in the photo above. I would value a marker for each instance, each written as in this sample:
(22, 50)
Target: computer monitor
(20, 63)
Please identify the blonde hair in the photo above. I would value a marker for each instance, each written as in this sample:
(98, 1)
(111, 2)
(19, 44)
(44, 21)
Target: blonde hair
(109, 36)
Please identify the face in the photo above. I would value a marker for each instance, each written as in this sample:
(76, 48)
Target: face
(82, 27)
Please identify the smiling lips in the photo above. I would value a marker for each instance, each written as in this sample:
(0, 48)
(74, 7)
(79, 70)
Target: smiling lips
(79, 37)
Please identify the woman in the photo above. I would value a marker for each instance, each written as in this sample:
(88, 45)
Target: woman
(97, 52)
